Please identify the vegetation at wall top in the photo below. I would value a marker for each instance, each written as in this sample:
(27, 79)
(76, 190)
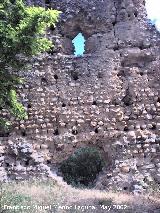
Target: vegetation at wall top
(22, 34)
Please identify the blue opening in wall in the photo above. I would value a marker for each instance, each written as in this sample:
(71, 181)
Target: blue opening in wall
(79, 44)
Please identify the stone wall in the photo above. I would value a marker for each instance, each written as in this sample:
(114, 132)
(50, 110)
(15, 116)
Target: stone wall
(109, 98)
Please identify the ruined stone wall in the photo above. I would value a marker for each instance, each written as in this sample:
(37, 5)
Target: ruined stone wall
(109, 98)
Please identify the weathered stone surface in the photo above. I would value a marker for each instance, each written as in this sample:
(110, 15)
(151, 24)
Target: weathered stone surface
(109, 98)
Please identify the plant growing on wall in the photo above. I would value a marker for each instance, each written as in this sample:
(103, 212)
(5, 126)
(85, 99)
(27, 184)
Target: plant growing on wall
(82, 167)
(22, 34)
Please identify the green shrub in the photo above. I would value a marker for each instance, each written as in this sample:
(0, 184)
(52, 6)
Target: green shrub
(82, 167)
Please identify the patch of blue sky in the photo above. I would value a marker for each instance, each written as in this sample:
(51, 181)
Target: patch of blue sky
(79, 45)
(153, 11)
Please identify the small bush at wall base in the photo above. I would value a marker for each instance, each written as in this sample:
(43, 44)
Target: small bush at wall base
(82, 167)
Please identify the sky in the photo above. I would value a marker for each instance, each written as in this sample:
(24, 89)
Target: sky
(79, 44)
(153, 11)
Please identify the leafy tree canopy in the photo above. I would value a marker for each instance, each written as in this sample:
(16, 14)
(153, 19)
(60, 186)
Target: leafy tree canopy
(22, 34)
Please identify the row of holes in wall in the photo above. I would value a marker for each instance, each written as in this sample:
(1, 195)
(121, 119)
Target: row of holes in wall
(63, 104)
(96, 130)
(74, 76)
(93, 103)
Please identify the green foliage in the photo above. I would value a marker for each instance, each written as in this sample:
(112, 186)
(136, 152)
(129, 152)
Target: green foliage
(82, 167)
(4, 125)
(22, 34)
(17, 108)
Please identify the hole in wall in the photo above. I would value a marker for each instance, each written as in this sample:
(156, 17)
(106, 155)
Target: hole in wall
(125, 188)
(82, 167)
(136, 14)
(27, 163)
(4, 134)
(79, 44)
(56, 132)
(96, 130)
(29, 106)
(48, 162)
(127, 103)
(114, 23)
(55, 76)
(94, 103)
(145, 179)
(126, 129)
(141, 47)
(74, 132)
(153, 127)
(115, 48)
(76, 34)
(52, 27)
(115, 102)
(6, 164)
(74, 75)
(100, 75)
(43, 80)
(47, 1)
(50, 52)
(121, 73)
(141, 73)
(63, 105)
(127, 100)
(23, 133)
(118, 147)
